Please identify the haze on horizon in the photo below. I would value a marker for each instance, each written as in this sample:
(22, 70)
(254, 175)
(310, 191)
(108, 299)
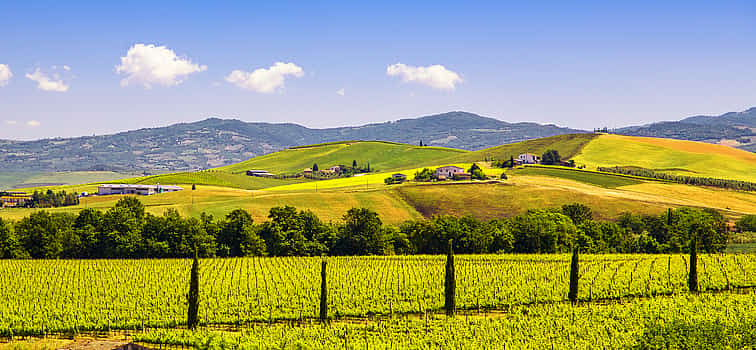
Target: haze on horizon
(83, 68)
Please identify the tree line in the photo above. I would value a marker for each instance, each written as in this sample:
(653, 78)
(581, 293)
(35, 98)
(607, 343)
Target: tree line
(683, 179)
(127, 231)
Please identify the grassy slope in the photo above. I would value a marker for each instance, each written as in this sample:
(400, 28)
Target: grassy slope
(212, 178)
(328, 205)
(690, 158)
(589, 177)
(505, 200)
(383, 156)
(567, 145)
(527, 188)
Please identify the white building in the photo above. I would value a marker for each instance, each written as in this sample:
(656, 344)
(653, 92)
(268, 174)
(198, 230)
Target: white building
(142, 190)
(335, 169)
(529, 158)
(447, 172)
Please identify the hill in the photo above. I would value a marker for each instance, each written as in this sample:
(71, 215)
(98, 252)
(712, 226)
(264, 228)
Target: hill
(667, 155)
(733, 129)
(382, 156)
(217, 142)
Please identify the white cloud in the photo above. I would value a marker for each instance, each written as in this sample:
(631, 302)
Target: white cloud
(150, 64)
(265, 80)
(32, 123)
(5, 74)
(435, 76)
(11, 122)
(44, 82)
(340, 92)
(66, 68)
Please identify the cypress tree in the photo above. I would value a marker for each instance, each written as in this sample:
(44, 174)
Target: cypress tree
(574, 275)
(323, 293)
(450, 284)
(693, 273)
(193, 314)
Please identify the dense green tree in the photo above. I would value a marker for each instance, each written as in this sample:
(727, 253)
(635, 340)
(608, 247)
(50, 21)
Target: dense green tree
(551, 157)
(542, 231)
(121, 232)
(9, 246)
(424, 175)
(133, 205)
(579, 213)
(361, 234)
(238, 235)
(746, 224)
(315, 167)
(44, 235)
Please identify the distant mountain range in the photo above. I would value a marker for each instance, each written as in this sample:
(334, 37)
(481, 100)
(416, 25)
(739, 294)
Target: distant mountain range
(214, 142)
(737, 129)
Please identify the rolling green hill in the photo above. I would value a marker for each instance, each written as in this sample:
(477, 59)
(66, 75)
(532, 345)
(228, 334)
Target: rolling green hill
(568, 145)
(673, 156)
(382, 156)
(224, 189)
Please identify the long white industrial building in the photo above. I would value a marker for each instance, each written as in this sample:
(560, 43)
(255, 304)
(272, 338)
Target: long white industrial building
(142, 190)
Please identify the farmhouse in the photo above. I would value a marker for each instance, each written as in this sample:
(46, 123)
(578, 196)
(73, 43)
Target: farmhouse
(13, 199)
(259, 173)
(335, 169)
(529, 158)
(142, 190)
(447, 172)
(399, 178)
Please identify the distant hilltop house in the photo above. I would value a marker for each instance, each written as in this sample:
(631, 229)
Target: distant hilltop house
(142, 190)
(529, 158)
(259, 173)
(335, 169)
(398, 178)
(13, 199)
(448, 172)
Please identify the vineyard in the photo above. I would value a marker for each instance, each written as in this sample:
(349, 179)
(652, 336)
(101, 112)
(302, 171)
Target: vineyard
(42, 297)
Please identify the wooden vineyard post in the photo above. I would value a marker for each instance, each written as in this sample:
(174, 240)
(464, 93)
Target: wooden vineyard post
(323, 292)
(693, 274)
(193, 313)
(574, 275)
(450, 284)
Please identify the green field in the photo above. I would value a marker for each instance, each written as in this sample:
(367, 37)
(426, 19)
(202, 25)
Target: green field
(515, 298)
(488, 201)
(689, 158)
(703, 321)
(568, 145)
(589, 177)
(382, 156)
(224, 189)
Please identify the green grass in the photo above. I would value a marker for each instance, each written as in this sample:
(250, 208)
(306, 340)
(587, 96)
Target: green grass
(589, 177)
(681, 157)
(219, 201)
(488, 201)
(382, 156)
(568, 145)
(213, 178)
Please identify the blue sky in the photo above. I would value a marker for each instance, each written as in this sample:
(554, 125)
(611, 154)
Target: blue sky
(579, 64)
